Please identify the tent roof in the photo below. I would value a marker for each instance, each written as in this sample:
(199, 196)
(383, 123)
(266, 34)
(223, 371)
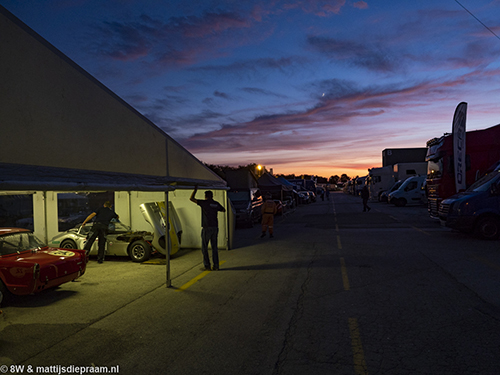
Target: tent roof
(62, 128)
(240, 179)
(269, 182)
(285, 182)
(29, 177)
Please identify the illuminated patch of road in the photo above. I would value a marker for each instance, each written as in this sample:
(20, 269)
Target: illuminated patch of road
(196, 279)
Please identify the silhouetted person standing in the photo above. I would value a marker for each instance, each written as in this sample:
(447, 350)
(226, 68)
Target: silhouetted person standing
(365, 195)
(210, 226)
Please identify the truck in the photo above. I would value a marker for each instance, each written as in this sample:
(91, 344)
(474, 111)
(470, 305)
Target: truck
(382, 179)
(482, 150)
(247, 203)
(245, 195)
(401, 171)
(379, 180)
(477, 210)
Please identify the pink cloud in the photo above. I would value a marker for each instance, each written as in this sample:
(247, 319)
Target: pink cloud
(360, 5)
(348, 132)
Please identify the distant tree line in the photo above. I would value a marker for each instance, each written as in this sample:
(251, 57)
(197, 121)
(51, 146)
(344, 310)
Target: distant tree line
(220, 171)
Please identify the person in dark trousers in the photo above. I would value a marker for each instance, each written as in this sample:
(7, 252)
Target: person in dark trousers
(103, 216)
(365, 195)
(268, 210)
(210, 226)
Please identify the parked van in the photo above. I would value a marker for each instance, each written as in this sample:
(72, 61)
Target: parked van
(384, 196)
(475, 210)
(411, 191)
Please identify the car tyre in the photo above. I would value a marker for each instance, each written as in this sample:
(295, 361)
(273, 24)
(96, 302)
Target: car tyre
(68, 244)
(4, 293)
(139, 251)
(488, 228)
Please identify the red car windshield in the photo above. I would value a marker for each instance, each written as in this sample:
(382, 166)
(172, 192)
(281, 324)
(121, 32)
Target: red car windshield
(17, 242)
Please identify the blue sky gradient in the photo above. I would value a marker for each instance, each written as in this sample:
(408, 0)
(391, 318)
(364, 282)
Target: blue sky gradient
(304, 87)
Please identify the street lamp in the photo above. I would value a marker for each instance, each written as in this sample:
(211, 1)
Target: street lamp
(259, 170)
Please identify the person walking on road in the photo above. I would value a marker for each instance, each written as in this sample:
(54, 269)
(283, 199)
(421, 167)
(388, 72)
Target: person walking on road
(103, 216)
(268, 210)
(210, 226)
(365, 195)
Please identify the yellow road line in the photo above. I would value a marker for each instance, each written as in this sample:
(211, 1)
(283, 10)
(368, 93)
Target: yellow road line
(195, 279)
(343, 270)
(420, 230)
(339, 244)
(357, 348)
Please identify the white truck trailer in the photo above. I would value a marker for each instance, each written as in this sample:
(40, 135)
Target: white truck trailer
(382, 179)
(379, 180)
(402, 171)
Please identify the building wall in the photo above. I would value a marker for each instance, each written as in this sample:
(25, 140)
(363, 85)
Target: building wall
(391, 156)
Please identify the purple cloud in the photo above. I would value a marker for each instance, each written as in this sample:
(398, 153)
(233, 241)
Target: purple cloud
(315, 127)
(222, 95)
(258, 91)
(178, 40)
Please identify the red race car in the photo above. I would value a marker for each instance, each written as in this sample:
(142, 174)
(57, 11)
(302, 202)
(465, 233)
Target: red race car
(28, 266)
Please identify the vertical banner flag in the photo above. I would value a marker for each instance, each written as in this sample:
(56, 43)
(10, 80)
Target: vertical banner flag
(458, 131)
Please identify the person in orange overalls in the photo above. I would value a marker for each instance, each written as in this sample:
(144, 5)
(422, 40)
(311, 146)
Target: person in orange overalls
(268, 210)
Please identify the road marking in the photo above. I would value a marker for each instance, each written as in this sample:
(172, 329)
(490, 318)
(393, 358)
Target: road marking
(197, 278)
(357, 348)
(339, 245)
(420, 230)
(343, 270)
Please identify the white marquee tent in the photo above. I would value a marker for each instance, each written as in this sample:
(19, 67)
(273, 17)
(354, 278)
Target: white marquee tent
(62, 130)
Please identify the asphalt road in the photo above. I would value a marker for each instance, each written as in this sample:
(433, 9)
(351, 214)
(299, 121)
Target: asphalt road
(337, 291)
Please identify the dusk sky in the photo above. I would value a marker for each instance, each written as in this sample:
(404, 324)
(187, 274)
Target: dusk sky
(304, 87)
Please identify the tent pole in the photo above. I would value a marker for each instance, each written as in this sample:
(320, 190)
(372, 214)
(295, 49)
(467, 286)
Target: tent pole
(226, 219)
(168, 241)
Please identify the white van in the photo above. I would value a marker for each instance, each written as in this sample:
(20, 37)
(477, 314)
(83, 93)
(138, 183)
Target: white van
(412, 191)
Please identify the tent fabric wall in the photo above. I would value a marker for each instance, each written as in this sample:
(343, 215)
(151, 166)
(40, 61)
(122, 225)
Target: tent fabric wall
(241, 179)
(63, 130)
(55, 114)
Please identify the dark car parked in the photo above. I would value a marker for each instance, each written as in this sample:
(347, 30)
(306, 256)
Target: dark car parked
(247, 204)
(475, 210)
